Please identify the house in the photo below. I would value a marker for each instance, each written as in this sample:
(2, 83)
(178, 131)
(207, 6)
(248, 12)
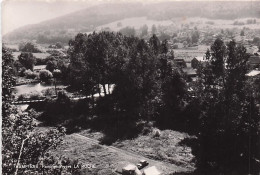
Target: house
(198, 60)
(180, 63)
(254, 61)
(190, 73)
(252, 50)
(41, 55)
(38, 68)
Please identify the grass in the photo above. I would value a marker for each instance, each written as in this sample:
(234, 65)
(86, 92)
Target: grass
(165, 147)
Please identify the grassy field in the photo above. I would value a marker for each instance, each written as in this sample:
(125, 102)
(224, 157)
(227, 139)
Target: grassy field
(107, 160)
(165, 148)
(134, 22)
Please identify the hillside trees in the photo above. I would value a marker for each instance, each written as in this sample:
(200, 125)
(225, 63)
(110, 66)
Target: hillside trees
(229, 129)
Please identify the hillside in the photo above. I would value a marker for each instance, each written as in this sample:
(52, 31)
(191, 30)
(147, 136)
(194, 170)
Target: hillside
(65, 27)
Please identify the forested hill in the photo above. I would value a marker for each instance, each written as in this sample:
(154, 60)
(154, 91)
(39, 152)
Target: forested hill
(65, 27)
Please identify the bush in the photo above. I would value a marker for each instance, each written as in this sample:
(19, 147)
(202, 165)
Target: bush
(36, 96)
(21, 72)
(49, 92)
(29, 74)
(45, 75)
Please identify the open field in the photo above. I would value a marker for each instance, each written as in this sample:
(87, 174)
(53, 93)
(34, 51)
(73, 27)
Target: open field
(134, 22)
(166, 147)
(177, 23)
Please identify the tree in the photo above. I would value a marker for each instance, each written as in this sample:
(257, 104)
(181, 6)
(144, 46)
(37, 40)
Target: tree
(229, 117)
(51, 65)
(174, 90)
(136, 91)
(155, 44)
(242, 33)
(164, 47)
(29, 47)
(27, 60)
(164, 36)
(128, 31)
(144, 30)
(154, 29)
(45, 75)
(21, 144)
(195, 36)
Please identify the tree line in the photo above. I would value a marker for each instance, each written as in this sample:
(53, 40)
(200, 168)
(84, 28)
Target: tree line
(220, 108)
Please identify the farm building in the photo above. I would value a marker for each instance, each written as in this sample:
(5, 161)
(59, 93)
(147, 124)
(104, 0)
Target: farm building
(198, 60)
(38, 68)
(180, 63)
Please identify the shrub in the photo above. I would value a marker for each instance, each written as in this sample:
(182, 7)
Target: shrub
(45, 75)
(21, 72)
(29, 74)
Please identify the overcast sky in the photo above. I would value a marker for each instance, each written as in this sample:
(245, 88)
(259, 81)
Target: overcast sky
(17, 14)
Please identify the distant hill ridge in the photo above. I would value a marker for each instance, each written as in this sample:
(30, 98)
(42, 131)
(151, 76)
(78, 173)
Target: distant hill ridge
(65, 27)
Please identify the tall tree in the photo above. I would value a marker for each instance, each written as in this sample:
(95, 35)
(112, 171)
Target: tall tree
(27, 60)
(229, 117)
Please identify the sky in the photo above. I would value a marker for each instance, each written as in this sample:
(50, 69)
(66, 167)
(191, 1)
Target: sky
(16, 13)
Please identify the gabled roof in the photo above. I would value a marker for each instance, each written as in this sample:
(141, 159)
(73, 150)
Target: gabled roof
(200, 58)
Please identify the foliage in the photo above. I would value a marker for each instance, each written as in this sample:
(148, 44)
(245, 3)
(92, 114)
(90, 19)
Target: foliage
(21, 144)
(45, 75)
(229, 118)
(195, 36)
(51, 65)
(30, 75)
(154, 29)
(144, 31)
(128, 31)
(137, 68)
(27, 60)
(29, 47)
